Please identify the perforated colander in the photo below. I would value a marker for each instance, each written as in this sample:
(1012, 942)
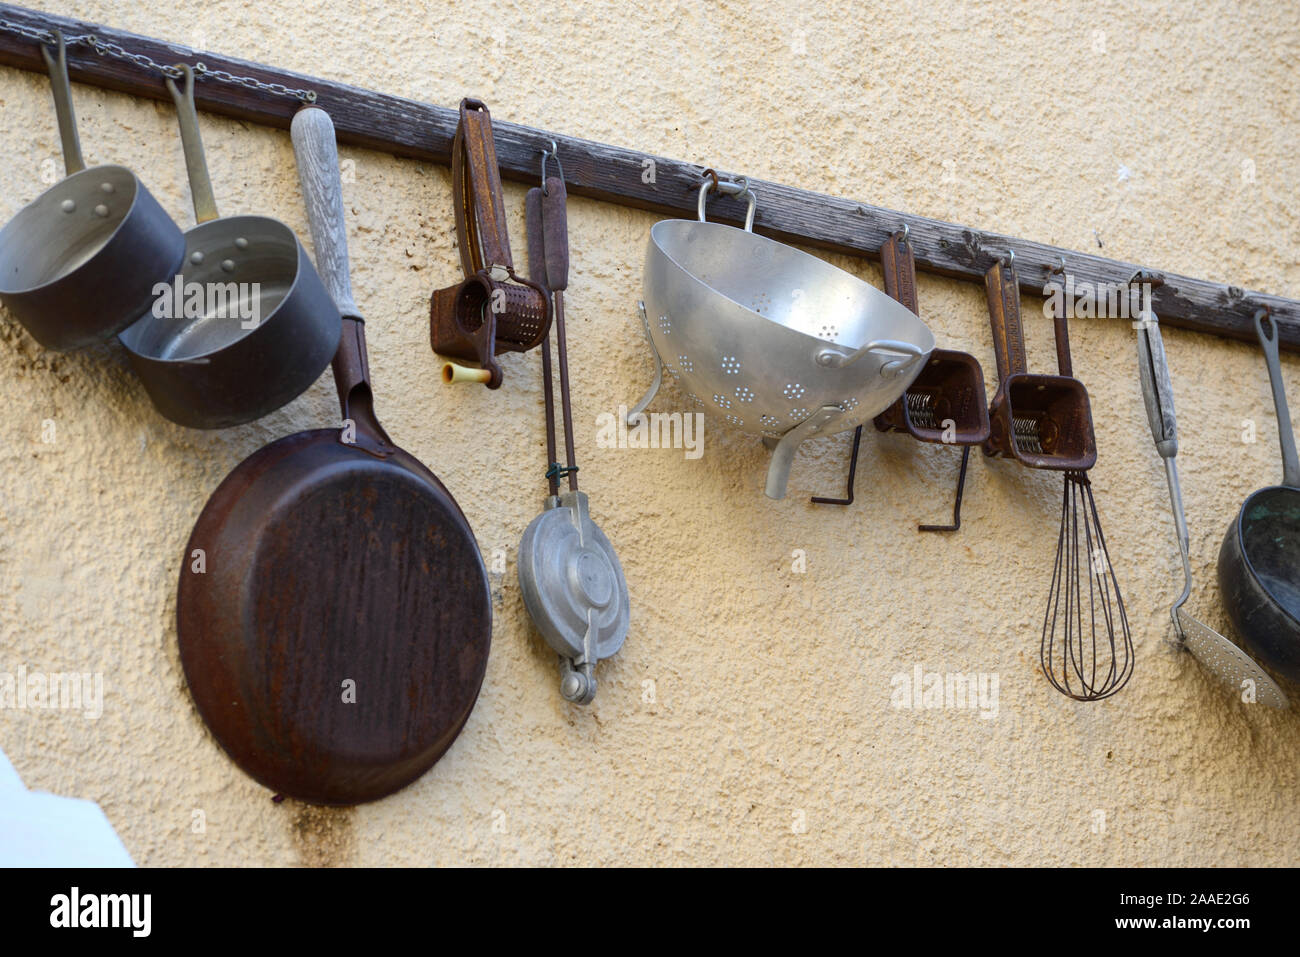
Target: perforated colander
(771, 340)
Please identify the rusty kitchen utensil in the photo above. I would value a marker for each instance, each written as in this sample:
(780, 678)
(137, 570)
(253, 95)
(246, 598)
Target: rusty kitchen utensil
(264, 326)
(1259, 562)
(1045, 422)
(80, 262)
(493, 310)
(1216, 654)
(570, 577)
(945, 403)
(782, 344)
(336, 634)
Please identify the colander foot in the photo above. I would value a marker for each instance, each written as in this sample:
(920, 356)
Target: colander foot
(778, 473)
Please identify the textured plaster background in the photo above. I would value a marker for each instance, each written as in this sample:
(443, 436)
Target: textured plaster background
(769, 736)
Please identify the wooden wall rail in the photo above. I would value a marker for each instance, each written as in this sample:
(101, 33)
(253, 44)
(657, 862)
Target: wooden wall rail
(613, 174)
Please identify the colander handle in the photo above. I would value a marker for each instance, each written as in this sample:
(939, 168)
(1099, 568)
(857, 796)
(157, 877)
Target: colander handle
(894, 366)
(737, 189)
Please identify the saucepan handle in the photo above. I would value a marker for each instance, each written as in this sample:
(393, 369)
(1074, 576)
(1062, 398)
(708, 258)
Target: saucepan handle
(67, 117)
(1268, 340)
(196, 163)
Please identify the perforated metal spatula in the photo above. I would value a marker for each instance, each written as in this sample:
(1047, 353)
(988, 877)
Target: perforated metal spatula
(1217, 654)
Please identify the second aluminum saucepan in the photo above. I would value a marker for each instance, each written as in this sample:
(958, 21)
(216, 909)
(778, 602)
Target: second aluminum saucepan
(246, 326)
(79, 263)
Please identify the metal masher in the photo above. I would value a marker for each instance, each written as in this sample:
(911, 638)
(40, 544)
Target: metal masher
(1217, 655)
(570, 577)
(1045, 422)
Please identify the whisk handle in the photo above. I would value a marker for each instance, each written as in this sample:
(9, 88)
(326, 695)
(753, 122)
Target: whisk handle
(1157, 387)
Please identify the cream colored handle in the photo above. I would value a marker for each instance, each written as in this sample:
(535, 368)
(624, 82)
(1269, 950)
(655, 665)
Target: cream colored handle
(454, 373)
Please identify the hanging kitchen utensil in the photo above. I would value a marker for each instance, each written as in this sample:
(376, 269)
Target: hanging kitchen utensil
(250, 326)
(780, 343)
(945, 403)
(493, 310)
(333, 614)
(80, 262)
(1045, 422)
(569, 574)
(1217, 655)
(1259, 562)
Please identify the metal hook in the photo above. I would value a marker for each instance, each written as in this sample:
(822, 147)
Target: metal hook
(1009, 260)
(1059, 268)
(555, 152)
(907, 231)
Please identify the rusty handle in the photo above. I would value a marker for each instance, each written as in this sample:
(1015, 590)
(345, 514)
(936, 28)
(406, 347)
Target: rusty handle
(900, 271)
(476, 185)
(1004, 317)
(1061, 328)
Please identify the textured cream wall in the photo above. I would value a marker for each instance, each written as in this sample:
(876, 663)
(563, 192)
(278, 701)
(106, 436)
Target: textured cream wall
(772, 689)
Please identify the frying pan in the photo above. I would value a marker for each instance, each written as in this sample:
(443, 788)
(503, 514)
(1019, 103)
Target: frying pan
(1259, 563)
(216, 367)
(79, 263)
(336, 632)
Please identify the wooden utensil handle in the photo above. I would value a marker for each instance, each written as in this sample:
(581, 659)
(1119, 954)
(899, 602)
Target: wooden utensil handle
(322, 189)
(318, 169)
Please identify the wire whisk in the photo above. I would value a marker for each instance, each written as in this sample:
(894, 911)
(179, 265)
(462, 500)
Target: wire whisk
(1087, 648)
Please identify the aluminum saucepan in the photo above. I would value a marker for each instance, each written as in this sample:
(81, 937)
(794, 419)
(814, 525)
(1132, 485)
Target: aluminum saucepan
(776, 341)
(80, 262)
(246, 325)
(1259, 563)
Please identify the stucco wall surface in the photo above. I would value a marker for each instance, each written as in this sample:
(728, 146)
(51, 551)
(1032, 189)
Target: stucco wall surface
(748, 719)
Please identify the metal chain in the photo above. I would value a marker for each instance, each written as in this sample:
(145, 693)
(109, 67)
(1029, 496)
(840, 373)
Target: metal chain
(104, 48)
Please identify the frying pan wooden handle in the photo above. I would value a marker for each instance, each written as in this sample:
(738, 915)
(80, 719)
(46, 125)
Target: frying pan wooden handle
(318, 169)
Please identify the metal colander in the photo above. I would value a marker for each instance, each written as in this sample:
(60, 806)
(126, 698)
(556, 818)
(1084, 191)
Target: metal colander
(770, 339)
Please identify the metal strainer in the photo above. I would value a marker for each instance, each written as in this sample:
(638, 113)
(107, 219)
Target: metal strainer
(1217, 655)
(777, 342)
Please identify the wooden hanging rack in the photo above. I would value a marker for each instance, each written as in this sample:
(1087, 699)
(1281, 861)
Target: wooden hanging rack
(612, 174)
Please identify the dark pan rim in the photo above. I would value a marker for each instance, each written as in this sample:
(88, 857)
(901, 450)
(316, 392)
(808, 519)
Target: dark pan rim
(1245, 557)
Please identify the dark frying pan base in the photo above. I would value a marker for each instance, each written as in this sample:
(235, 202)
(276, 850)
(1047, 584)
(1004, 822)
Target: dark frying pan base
(337, 641)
